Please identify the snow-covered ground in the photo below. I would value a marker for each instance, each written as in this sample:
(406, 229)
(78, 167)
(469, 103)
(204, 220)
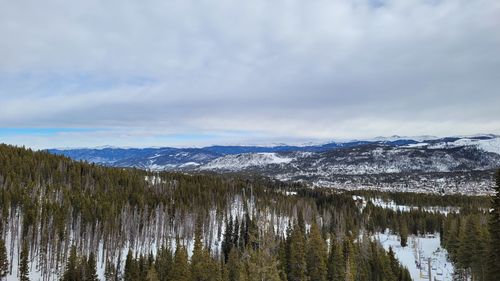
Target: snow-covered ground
(245, 160)
(379, 202)
(418, 251)
(491, 144)
(150, 242)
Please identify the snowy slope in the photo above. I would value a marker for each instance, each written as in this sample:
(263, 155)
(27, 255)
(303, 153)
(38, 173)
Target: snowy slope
(490, 145)
(454, 164)
(168, 158)
(419, 250)
(242, 161)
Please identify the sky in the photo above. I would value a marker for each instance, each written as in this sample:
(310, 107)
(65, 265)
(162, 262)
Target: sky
(201, 72)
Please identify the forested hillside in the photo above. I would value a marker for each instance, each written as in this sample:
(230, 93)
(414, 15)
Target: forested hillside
(450, 165)
(69, 220)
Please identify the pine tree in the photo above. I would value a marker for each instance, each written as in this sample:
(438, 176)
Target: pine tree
(469, 250)
(91, 270)
(227, 243)
(233, 265)
(405, 275)
(152, 274)
(143, 264)
(4, 263)
(301, 222)
(336, 264)
(243, 235)
(283, 257)
(261, 264)
(163, 263)
(480, 263)
(403, 233)
(253, 234)
(493, 269)
(203, 267)
(109, 271)
(23, 263)
(349, 259)
(452, 241)
(316, 255)
(384, 266)
(180, 269)
(236, 233)
(297, 267)
(71, 271)
(393, 262)
(131, 268)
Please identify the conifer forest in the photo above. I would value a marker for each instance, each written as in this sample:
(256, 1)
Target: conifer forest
(68, 220)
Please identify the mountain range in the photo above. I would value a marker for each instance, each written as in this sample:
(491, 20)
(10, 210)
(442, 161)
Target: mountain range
(462, 164)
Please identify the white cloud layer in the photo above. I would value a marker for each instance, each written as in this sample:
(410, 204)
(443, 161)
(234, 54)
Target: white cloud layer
(275, 70)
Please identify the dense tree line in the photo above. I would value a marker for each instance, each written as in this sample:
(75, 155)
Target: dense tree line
(66, 215)
(473, 242)
(299, 256)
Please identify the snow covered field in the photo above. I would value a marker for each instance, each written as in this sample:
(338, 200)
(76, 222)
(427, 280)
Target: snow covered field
(418, 251)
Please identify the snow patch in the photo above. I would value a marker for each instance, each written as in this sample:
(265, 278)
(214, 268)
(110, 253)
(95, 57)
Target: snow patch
(246, 160)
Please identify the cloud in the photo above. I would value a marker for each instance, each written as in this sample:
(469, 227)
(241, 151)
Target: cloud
(275, 70)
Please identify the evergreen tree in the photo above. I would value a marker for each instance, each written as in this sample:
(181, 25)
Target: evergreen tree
(71, 272)
(152, 274)
(261, 264)
(110, 272)
(236, 232)
(403, 233)
(23, 263)
(91, 270)
(336, 264)
(144, 265)
(493, 269)
(197, 259)
(242, 241)
(301, 222)
(349, 259)
(316, 255)
(452, 241)
(203, 266)
(131, 271)
(283, 257)
(252, 234)
(469, 250)
(180, 269)
(393, 262)
(4, 263)
(297, 267)
(405, 275)
(384, 268)
(163, 263)
(234, 265)
(227, 243)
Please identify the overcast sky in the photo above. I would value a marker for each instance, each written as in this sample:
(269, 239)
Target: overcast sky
(193, 73)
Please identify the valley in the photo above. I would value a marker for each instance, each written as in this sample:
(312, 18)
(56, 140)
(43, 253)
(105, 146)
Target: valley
(450, 165)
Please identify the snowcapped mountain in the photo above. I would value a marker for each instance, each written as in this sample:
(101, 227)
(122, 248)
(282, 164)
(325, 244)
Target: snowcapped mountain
(451, 164)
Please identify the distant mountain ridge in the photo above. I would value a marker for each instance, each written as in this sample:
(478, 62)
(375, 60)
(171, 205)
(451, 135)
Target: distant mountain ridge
(351, 164)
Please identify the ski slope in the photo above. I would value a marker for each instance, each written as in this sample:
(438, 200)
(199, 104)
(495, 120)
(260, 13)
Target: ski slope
(418, 251)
